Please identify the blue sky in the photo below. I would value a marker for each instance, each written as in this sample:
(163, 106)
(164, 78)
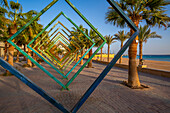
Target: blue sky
(94, 11)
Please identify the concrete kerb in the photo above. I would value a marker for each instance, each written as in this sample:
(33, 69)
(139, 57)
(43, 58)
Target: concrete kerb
(144, 70)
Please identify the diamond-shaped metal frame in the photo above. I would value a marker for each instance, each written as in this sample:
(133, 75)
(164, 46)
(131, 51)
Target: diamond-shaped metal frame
(96, 82)
(72, 57)
(61, 73)
(47, 50)
(68, 36)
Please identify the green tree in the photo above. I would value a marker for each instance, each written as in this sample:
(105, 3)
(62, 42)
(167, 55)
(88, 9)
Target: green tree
(14, 15)
(121, 36)
(4, 3)
(31, 30)
(4, 29)
(92, 34)
(152, 11)
(109, 40)
(98, 42)
(77, 33)
(144, 34)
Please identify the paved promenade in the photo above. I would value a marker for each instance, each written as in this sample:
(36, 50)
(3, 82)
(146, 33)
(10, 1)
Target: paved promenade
(109, 97)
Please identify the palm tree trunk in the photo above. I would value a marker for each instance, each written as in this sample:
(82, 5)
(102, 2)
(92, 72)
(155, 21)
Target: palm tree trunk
(120, 60)
(140, 52)
(108, 53)
(82, 52)
(133, 79)
(5, 51)
(77, 59)
(101, 54)
(34, 55)
(11, 54)
(25, 51)
(17, 60)
(90, 63)
(12, 31)
(29, 63)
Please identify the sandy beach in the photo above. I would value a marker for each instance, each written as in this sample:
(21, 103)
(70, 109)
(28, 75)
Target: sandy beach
(159, 65)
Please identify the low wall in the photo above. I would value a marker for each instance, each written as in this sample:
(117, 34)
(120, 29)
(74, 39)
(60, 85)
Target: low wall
(144, 70)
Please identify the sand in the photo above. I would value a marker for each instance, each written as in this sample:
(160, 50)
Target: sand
(158, 65)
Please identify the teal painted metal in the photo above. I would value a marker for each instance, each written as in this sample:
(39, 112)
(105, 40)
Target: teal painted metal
(61, 13)
(61, 73)
(93, 44)
(44, 29)
(46, 35)
(93, 86)
(67, 35)
(33, 19)
(43, 58)
(103, 74)
(37, 64)
(49, 52)
(104, 41)
(32, 85)
(114, 60)
(56, 59)
(25, 26)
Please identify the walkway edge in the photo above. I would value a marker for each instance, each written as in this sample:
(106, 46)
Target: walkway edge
(144, 70)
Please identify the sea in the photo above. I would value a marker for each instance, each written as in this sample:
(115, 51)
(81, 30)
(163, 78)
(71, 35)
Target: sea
(154, 57)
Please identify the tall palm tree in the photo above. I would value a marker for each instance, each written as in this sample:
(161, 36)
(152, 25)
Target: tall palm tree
(121, 36)
(109, 40)
(98, 42)
(31, 30)
(152, 11)
(144, 34)
(3, 29)
(14, 15)
(4, 3)
(76, 32)
(92, 34)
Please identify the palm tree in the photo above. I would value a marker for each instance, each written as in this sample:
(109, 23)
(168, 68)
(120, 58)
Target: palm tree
(109, 40)
(31, 30)
(4, 3)
(92, 34)
(76, 32)
(121, 36)
(3, 29)
(144, 34)
(14, 15)
(98, 42)
(152, 11)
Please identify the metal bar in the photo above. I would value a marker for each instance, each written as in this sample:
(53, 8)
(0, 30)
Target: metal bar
(82, 67)
(77, 27)
(69, 82)
(32, 85)
(114, 60)
(44, 29)
(45, 35)
(122, 14)
(78, 12)
(48, 62)
(36, 63)
(33, 19)
(103, 74)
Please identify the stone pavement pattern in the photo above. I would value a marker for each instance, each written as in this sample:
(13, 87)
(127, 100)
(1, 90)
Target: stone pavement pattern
(109, 97)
